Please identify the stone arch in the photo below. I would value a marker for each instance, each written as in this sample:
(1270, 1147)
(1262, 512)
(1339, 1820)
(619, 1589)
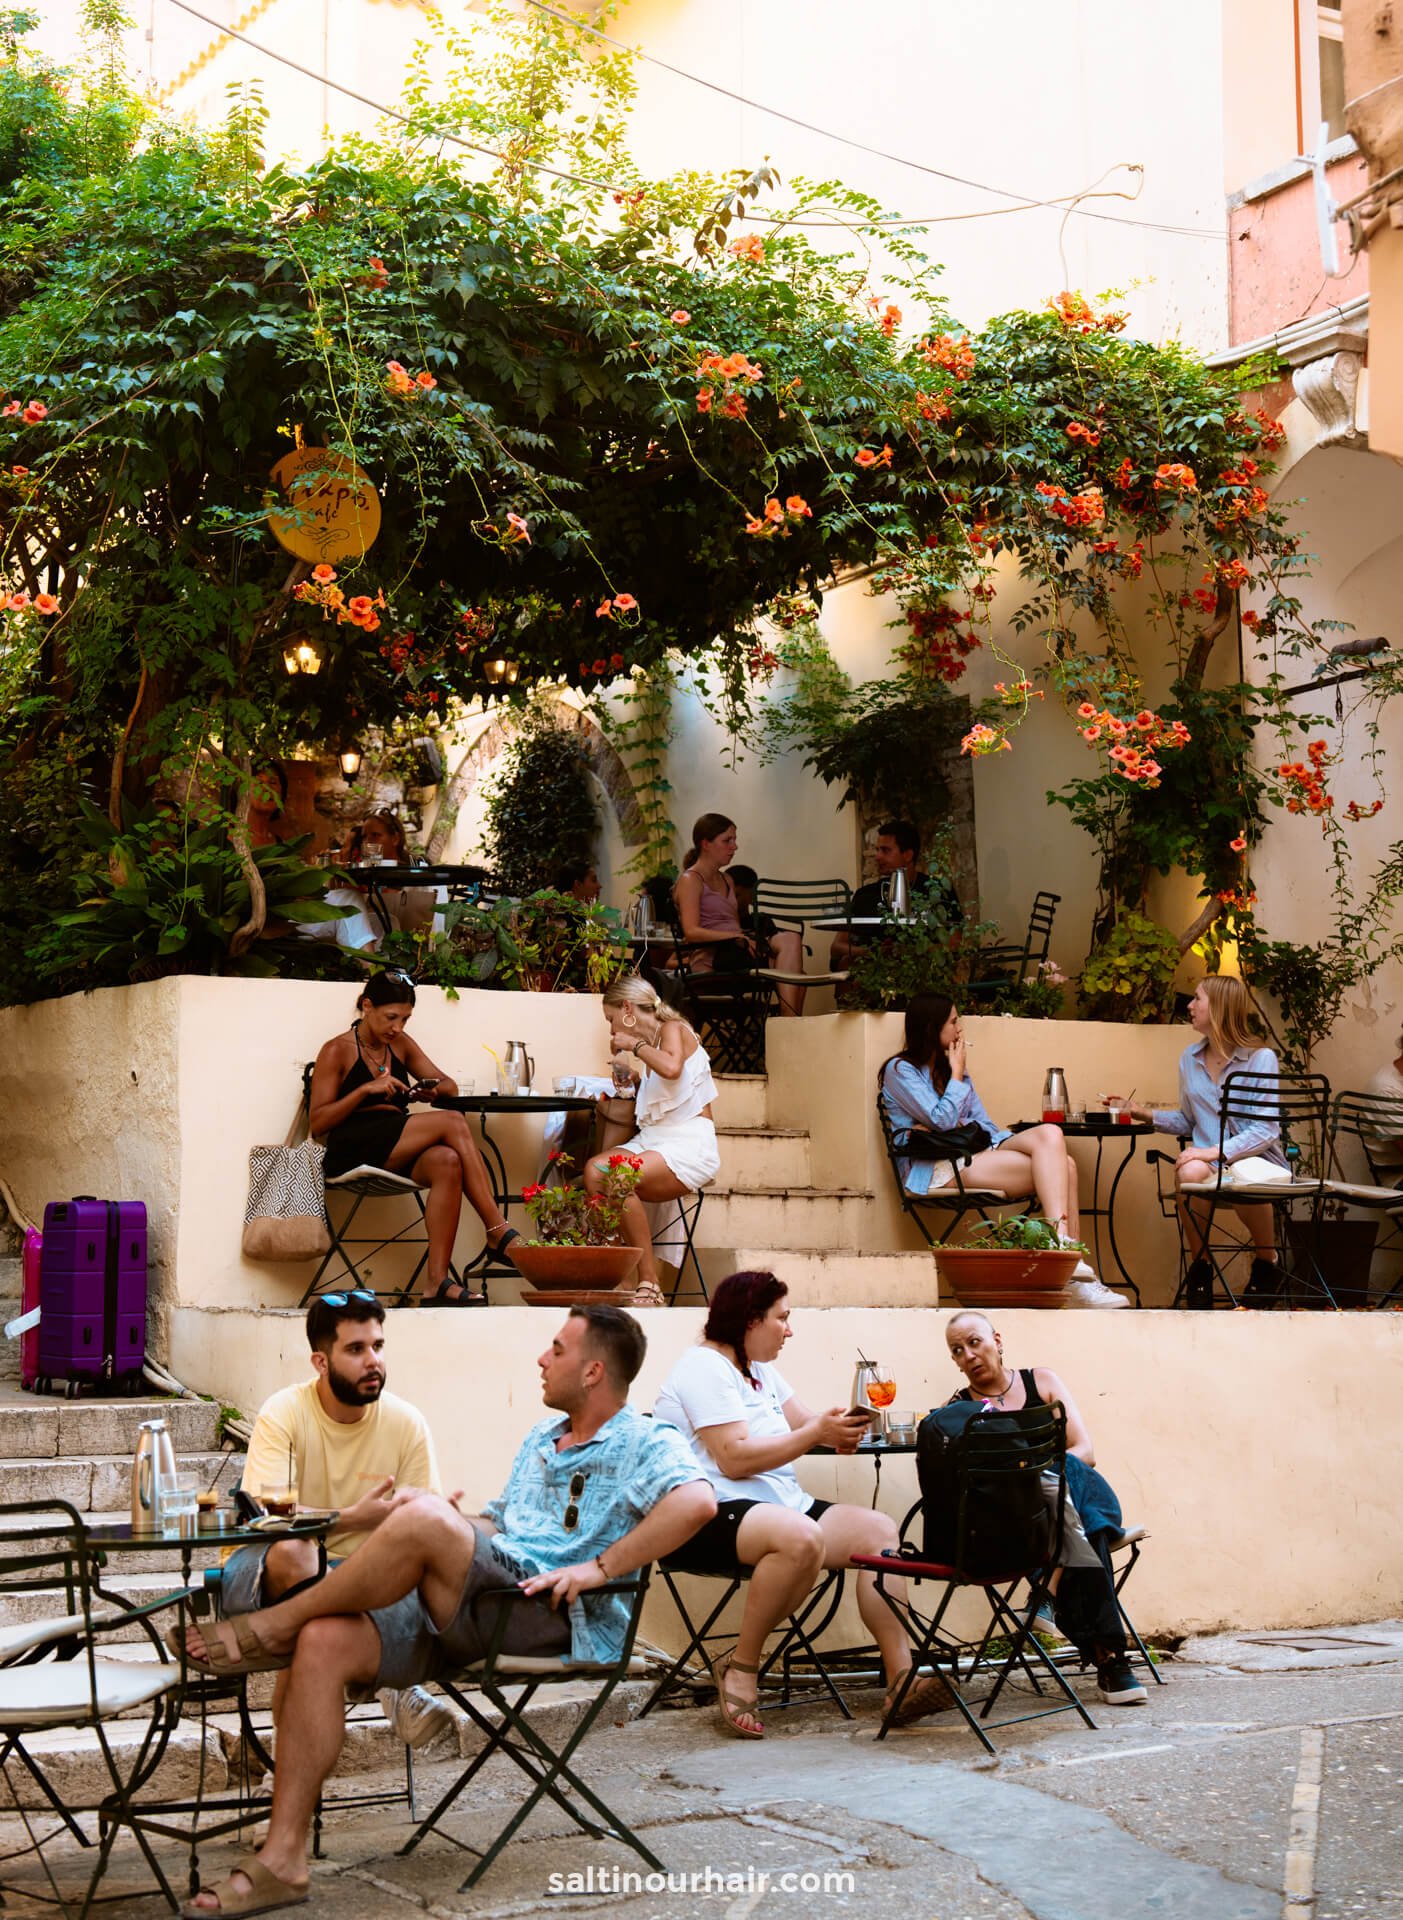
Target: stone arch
(601, 756)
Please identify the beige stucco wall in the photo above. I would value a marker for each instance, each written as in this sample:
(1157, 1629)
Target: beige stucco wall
(1234, 1437)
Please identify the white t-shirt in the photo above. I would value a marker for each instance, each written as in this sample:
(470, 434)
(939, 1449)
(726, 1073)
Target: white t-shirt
(705, 1389)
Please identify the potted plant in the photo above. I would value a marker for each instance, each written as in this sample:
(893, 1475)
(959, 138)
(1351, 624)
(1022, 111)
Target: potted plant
(578, 1241)
(1017, 1262)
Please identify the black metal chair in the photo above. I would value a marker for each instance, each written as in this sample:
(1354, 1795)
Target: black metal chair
(796, 904)
(52, 1676)
(793, 1645)
(1120, 1568)
(508, 1683)
(1360, 1124)
(682, 1225)
(1002, 965)
(992, 1459)
(362, 1184)
(955, 1200)
(1297, 1105)
(728, 1006)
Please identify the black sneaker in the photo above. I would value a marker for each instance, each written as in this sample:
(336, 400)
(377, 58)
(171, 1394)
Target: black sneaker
(1263, 1284)
(1198, 1286)
(1117, 1685)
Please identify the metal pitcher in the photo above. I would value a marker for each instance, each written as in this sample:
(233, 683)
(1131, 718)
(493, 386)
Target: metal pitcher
(153, 1463)
(518, 1057)
(643, 921)
(899, 894)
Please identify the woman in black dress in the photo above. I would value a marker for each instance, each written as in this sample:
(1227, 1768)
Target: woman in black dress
(362, 1086)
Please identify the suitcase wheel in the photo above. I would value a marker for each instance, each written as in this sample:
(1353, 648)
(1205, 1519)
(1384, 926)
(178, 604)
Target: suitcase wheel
(70, 1391)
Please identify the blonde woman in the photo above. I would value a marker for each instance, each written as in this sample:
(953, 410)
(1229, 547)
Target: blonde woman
(675, 1135)
(1221, 1014)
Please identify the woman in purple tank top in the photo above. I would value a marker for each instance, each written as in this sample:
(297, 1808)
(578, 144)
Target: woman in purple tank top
(710, 916)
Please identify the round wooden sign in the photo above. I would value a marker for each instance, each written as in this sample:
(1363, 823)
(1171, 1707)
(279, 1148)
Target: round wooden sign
(332, 512)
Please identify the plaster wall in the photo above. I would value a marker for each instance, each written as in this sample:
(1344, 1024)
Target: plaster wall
(1229, 1494)
(1277, 276)
(94, 1106)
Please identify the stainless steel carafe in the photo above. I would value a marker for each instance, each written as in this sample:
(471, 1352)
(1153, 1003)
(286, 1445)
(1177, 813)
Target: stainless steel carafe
(1055, 1105)
(899, 894)
(153, 1462)
(518, 1057)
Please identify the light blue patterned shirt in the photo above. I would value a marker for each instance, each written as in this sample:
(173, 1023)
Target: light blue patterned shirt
(1198, 1114)
(910, 1098)
(627, 1468)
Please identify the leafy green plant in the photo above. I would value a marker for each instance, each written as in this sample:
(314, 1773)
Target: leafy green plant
(541, 811)
(1021, 1233)
(1130, 976)
(548, 942)
(906, 957)
(566, 1216)
(170, 898)
(1040, 998)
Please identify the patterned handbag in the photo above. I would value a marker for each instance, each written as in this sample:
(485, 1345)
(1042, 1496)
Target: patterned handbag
(285, 1218)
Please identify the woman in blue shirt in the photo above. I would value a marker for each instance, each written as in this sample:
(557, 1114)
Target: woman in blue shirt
(926, 1085)
(1220, 1011)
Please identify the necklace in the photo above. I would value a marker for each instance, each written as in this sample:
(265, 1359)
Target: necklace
(997, 1399)
(369, 1058)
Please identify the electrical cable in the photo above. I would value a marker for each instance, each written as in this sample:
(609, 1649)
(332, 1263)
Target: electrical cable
(878, 153)
(900, 221)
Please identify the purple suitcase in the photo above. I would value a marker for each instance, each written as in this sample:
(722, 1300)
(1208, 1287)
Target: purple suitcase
(92, 1294)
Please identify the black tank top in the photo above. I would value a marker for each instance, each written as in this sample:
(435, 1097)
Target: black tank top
(361, 1071)
(1030, 1388)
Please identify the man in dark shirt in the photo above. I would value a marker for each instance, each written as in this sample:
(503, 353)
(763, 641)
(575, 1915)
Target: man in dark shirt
(898, 849)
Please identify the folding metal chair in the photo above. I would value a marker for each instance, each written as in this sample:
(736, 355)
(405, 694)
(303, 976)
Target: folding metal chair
(362, 1184)
(795, 1642)
(728, 1006)
(1297, 1105)
(679, 1229)
(1126, 1544)
(955, 1200)
(995, 1454)
(509, 1682)
(1004, 964)
(795, 904)
(53, 1676)
(1359, 1124)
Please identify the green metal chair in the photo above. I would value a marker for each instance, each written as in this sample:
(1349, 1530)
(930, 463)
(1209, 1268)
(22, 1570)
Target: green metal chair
(547, 1765)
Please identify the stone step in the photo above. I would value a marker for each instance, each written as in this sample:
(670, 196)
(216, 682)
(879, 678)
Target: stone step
(72, 1762)
(101, 1485)
(38, 1427)
(795, 1218)
(754, 1157)
(820, 1277)
(742, 1099)
(18, 1609)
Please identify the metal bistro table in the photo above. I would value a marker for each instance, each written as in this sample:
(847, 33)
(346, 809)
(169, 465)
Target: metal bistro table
(489, 1106)
(1132, 1133)
(374, 879)
(111, 1543)
(860, 1665)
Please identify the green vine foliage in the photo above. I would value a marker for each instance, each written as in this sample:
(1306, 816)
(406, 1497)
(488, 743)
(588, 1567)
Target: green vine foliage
(638, 720)
(1130, 976)
(541, 811)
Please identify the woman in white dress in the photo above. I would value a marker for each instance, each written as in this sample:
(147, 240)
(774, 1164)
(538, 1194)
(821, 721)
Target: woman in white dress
(675, 1135)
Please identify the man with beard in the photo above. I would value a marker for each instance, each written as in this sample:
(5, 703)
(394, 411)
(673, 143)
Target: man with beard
(346, 1444)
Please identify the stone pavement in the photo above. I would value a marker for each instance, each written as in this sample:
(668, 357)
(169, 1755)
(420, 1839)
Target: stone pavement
(1262, 1784)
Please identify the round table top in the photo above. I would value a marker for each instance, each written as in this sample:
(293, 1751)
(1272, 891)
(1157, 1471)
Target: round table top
(516, 1102)
(120, 1536)
(1093, 1129)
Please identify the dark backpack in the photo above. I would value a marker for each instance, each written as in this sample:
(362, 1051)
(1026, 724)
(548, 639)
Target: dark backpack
(1009, 1523)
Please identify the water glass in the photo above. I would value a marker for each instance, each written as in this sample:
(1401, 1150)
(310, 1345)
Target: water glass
(465, 1082)
(280, 1498)
(177, 1501)
(563, 1084)
(1115, 1110)
(509, 1079)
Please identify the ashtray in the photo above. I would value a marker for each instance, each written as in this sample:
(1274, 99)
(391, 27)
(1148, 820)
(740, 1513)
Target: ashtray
(1096, 1117)
(217, 1519)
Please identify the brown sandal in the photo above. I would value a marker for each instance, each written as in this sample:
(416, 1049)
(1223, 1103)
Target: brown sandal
(265, 1893)
(728, 1705)
(648, 1294)
(927, 1693)
(249, 1655)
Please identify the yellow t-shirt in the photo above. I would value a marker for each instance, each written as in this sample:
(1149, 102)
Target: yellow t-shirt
(338, 1462)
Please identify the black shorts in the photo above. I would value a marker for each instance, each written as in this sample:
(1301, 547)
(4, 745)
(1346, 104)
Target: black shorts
(713, 1549)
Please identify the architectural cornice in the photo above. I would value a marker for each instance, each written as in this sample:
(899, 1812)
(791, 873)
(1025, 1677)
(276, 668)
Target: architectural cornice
(1337, 330)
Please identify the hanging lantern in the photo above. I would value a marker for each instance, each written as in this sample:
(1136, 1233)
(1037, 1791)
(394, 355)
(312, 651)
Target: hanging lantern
(302, 654)
(350, 758)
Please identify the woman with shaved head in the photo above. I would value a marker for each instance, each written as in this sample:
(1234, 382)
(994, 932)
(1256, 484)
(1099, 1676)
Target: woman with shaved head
(1085, 1609)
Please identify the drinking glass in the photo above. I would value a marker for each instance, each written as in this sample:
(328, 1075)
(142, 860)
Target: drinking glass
(563, 1084)
(881, 1393)
(466, 1083)
(177, 1502)
(624, 1082)
(509, 1079)
(1116, 1111)
(280, 1498)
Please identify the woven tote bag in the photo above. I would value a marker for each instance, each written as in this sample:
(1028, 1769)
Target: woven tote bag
(285, 1218)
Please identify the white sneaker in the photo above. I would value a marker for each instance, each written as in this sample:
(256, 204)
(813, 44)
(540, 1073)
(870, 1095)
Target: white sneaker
(1091, 1293)
(1084, 1270)
(415, 1716)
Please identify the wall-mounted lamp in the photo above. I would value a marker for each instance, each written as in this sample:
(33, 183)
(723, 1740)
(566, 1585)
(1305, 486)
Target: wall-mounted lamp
(302, 654)
(350, 758)
(499, 671)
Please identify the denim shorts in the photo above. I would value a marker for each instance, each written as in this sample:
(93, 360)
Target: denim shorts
(403, 1626)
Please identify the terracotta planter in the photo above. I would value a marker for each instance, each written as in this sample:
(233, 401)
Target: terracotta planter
(1005, 1277)
(587, 1268)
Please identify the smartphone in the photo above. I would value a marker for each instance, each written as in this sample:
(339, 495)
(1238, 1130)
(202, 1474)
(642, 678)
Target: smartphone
(425, 1086)
(247, 1508)
(862, 1413)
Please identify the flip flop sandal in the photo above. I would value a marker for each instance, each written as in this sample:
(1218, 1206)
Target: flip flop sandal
(252, 1656)
(729, 1705)
(928, 1693)
(265, 1893)
(505, 1236)
(443, 1298)
(648, 1294)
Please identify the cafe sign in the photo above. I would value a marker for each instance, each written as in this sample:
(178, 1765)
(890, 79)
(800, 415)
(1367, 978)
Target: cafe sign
(332, 511)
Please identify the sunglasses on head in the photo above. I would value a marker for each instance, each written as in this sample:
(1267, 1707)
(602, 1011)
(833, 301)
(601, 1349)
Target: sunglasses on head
(397, 973)
(343, 1299)
(572, 1511)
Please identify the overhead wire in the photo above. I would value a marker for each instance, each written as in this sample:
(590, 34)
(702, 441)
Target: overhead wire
(1067, 204)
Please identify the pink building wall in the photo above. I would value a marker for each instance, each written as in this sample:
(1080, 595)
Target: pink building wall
(1275, 274)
